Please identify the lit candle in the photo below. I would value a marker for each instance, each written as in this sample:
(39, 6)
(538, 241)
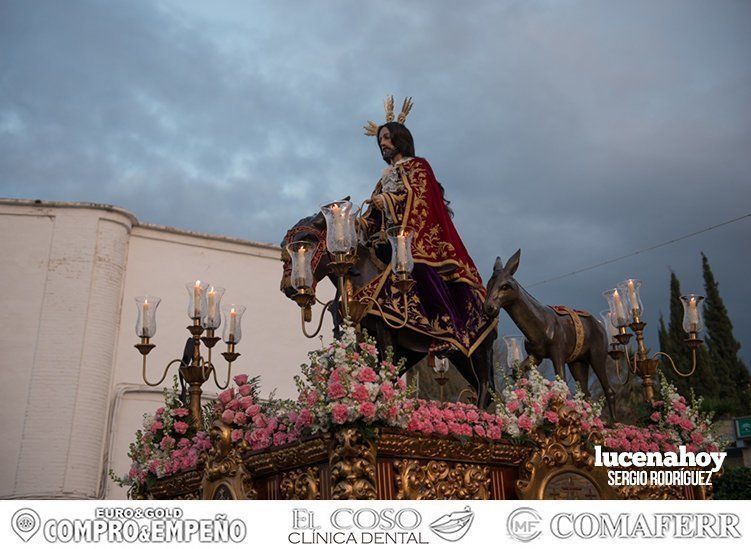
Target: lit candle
(620, 312)
(338, 218)
(401, 252)
(693, 315)
(632, 295)
(197, 300)
(232, 324)
(212, 314)
(146, 322)
(300, 279)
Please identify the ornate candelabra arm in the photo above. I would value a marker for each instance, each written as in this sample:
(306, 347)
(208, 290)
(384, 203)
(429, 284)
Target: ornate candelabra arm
(631, 368)
(320, 320)
(675, 368)
(383, 315)
(229, 374)
(164, 375)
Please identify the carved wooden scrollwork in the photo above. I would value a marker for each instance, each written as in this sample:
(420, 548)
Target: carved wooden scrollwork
(225, 476)
(564, 454)
(441, 480)
(301, 484)
(353, 466)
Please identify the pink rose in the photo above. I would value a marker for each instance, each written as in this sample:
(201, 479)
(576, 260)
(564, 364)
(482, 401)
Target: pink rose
(241, 418)
(655, 417)
(366, 375)
(228, 416)
(181, 427)
(525, 423)
(336, 390)
(226, 396)
(252, 410)
(340, 412)
(156, 426)
(241, 379)
(360, 394)
(387, 390)
(512, 406)
(551, 416)
(368, 410)
(237, 434)
(245, 390)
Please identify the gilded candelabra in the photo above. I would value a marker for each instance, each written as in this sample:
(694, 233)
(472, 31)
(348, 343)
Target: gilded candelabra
(341, 244)
(204, 311)
(625, 311)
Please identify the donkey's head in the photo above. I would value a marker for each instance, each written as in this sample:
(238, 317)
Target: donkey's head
(503, 289)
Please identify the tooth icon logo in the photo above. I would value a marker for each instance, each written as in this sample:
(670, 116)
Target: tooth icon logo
(25, 523)
(453, 526)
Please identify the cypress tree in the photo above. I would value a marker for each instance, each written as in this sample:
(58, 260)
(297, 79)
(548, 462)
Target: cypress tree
(729, 371)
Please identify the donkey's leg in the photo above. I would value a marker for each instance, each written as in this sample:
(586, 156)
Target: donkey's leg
(599, 361)
(580, 372)
(468, 368)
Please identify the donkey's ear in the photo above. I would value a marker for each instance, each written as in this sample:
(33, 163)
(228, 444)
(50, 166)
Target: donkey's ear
(513, 263)
(498, 265)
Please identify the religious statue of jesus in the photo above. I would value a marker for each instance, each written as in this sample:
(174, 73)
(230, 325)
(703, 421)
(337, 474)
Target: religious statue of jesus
(446, 303)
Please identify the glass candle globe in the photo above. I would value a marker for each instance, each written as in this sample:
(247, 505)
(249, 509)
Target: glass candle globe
(232, 331)
(693, 313)
(607, 321)
(515, 352)
(630, 290)
(401, 250)
(196, 298)
(212, 316)
(441, 365)
(146, 319)
(619, 316)
(341, 236)
(301, 254)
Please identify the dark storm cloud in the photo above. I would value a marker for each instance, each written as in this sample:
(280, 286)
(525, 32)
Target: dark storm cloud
(576, 131)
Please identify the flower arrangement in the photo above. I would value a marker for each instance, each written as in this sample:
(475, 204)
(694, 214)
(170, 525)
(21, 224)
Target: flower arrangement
(168, 443)
(346, 383)
(260, 424)
(448, 418)
(526, 405)
(673, 422)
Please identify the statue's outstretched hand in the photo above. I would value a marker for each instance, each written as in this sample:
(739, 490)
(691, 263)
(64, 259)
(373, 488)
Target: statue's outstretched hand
(378, 201)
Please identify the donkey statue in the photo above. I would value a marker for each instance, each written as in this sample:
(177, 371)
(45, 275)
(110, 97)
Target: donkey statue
(561, 334)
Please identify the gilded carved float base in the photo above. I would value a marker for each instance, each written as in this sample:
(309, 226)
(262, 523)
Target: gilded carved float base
(399, 465)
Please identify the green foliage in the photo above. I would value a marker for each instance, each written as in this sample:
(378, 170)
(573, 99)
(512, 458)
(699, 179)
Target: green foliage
(734, 483)
(720, 377)
(733, 377)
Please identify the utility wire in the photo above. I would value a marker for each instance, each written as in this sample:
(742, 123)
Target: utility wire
(649, 249)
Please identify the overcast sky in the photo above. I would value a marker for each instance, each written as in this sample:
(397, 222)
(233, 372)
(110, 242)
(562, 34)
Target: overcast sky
(576, 131)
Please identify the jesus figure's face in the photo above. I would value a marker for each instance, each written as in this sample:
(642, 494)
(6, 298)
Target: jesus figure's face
(388, 151)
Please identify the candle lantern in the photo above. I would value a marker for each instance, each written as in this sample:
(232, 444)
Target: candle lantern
(629, 290)
(197, 298)
(515, 352)
(212, 317)
(232, 332)
(607, 322)
(693, 313)
(401, 250)
(441, 368)
(341, 237)
(618, 314)
(301, 254)
(146, 320)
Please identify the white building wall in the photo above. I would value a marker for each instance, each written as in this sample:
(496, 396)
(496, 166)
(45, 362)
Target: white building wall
(59, 391)
(71, 394)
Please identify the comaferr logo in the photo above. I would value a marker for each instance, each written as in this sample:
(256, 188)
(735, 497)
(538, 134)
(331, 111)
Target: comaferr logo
(524, 524)
(658, 525)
